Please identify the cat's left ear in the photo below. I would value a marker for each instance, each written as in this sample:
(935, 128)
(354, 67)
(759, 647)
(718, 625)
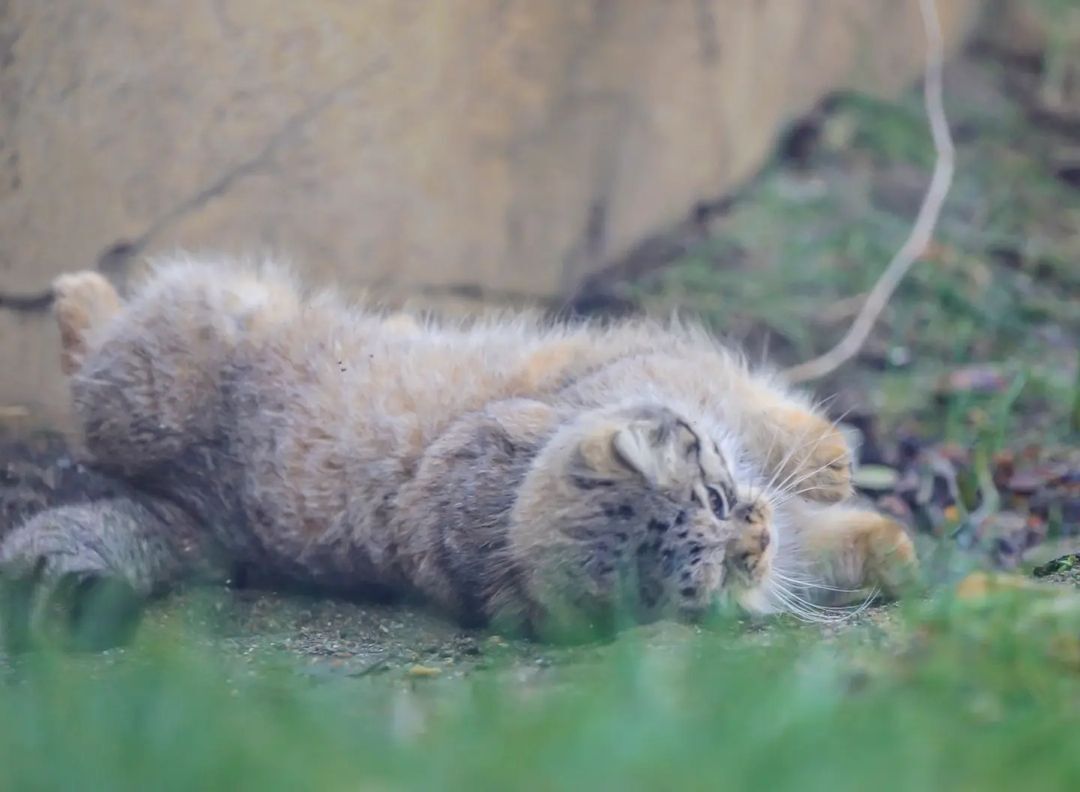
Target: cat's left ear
(652, 443)
(644, 447)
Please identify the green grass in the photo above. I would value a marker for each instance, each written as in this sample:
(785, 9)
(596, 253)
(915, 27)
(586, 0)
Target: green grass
(947, 695)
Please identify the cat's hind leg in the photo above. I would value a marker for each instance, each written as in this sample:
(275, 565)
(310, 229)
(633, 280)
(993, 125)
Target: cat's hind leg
(79, 574)
(148, 374)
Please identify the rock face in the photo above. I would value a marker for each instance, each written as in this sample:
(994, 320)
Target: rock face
(509, 146)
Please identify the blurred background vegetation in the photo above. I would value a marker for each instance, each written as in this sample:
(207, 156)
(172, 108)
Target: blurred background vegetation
(965, 404)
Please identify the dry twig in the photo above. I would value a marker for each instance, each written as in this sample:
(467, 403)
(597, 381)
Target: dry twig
(925, 222)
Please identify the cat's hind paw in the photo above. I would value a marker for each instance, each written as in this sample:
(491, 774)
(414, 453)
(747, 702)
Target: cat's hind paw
(82, 301)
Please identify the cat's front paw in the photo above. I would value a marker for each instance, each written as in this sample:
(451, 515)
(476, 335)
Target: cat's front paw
(856, 551)
(891, 563)
(814, 461)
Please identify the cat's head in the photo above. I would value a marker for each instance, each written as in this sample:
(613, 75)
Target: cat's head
(633, 513)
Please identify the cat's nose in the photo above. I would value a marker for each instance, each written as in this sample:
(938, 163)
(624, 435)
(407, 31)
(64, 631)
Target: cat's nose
(751, 512)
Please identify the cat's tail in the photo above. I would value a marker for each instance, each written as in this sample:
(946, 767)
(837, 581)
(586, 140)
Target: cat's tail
(83, 302)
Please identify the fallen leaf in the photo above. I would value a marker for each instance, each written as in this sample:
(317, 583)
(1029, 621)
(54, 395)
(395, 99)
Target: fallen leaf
(1062, 564)
(876, 478)
(974, 379)
(1066, 649)
(980, 584)
(896, 507)
(1003, 467)
(1029, 480)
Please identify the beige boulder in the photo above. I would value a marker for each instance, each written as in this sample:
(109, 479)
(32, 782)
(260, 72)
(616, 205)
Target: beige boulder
(502, 146)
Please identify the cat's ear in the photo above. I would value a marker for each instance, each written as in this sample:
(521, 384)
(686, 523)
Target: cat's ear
(653, 444)
(644, 447)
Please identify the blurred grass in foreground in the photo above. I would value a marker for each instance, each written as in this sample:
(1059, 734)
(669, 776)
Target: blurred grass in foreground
(944, 694)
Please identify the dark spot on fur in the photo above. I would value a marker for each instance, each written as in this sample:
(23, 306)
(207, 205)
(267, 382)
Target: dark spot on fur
(626, 511)
(658, 525)
(505, 443)
(620, 537)
(688, 591)
(585, 483)
(683, 534)
(680, 518)
(695, 549)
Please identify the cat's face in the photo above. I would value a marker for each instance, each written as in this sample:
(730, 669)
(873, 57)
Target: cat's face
(635, 513)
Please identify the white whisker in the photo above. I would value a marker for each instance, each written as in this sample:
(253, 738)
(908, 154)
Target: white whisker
(809, 611)
(811, 584)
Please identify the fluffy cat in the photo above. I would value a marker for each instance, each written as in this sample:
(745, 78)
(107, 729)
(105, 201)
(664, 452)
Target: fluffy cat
(546, 478)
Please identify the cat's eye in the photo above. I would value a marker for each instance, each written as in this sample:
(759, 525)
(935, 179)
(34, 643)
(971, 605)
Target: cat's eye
(718, 504)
